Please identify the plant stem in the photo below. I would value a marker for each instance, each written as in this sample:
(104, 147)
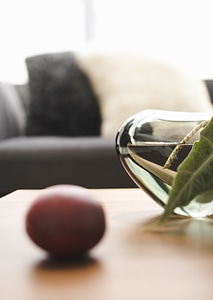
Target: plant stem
(183, 142)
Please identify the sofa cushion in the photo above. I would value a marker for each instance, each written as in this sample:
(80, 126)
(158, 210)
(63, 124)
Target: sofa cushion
(62, 99)
(12, 115)
(38, 162)
(127, 83)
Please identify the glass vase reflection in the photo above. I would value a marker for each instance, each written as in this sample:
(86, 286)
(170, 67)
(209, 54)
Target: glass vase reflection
(145, 141)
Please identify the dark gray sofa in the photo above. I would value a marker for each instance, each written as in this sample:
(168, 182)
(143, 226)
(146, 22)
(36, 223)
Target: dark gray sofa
(34, 162)
(37, 162)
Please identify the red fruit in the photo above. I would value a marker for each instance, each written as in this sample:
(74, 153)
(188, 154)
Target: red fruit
(65, 220)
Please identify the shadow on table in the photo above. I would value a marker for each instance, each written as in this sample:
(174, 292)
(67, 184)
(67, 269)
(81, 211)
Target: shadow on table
(60, 263)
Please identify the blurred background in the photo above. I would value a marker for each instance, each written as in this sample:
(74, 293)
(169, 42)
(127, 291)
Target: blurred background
(178, 31)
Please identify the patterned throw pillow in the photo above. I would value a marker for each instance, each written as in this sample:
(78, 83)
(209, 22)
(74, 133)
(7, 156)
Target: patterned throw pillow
(62, 100)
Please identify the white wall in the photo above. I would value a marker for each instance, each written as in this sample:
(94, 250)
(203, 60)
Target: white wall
(29, 27)
(179, 31)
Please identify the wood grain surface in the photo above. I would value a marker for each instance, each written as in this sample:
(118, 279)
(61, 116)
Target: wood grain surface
(174, 261)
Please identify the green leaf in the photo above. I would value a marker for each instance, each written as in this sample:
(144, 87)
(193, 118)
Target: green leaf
(194, 175)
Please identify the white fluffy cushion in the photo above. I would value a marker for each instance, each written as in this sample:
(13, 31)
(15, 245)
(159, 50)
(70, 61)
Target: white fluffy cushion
(127, 83)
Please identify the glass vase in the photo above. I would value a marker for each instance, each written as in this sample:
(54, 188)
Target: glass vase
(145, 141)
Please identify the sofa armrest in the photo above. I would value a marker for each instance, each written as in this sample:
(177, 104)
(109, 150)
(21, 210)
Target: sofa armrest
(209, 85)
(12, 114)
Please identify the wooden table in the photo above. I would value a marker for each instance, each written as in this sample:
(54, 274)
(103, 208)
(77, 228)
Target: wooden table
(172, 262)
